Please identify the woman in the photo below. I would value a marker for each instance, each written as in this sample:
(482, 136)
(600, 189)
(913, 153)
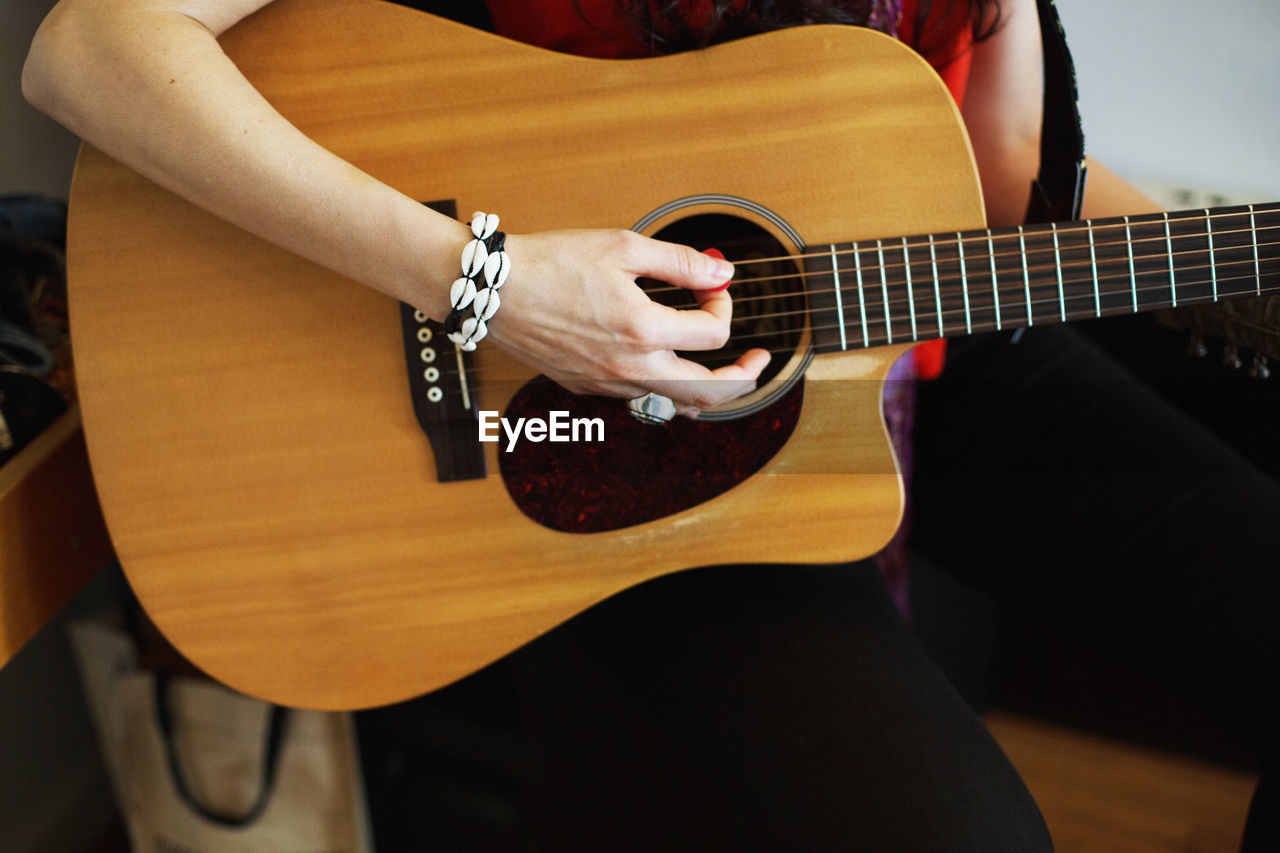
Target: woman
(106, 72)
(769, 710)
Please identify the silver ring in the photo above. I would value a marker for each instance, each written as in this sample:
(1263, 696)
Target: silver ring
(652, 408)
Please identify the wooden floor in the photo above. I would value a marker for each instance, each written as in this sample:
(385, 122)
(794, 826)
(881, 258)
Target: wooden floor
(1102, 795)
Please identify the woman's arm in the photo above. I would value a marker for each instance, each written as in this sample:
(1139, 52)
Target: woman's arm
(146, 81)
(1003, 108)
(1003, 104)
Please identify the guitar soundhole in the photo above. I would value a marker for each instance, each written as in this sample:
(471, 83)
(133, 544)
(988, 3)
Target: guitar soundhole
(768, 297)
(640, 473)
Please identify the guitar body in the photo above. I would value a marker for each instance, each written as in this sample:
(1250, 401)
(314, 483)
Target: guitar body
(271, 497)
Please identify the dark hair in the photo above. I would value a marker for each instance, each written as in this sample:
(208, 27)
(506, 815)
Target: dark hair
(665, 26)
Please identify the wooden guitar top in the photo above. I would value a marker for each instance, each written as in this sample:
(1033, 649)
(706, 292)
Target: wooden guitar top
(268, 491)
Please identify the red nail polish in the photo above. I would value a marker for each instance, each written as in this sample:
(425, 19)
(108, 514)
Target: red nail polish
(716, 253)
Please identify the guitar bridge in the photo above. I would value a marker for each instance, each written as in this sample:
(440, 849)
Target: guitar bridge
(442, 388)
(444, 396)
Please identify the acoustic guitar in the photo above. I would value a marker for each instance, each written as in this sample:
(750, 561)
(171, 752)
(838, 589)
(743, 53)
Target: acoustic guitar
(290, 463)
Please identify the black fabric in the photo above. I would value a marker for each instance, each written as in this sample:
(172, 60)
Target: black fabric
(1058, 191)
(737, 708)
(474, 13)
(1050, 475)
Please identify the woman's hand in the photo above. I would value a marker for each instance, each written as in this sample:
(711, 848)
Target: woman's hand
(572, 310)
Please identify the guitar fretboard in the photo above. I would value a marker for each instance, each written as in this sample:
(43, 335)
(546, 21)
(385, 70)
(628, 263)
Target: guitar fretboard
(905, 289)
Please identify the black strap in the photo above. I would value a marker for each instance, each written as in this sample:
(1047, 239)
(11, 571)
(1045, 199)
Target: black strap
(1058, 190)
(270, 760)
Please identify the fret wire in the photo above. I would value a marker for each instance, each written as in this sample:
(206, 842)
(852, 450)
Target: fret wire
(964, 285)
(1161, 287)
(1207, 282)
(1257, 269)
(884, 292)
(1119, 222)
(1151, 255)
(1128, 242)
(1161, 256)
(911, 297)
(937, 292)
(995, 287)
(939, 280)
(1026, 273)
(1133, 275)
(835, 273)
(1194, 246)
(1093, 265)
(1191, 270)
(1147, 289)
(1173, 282)
(1057, 257)
(1153, 288)
(481, 372)
(1213, 271)
(983, 235)
(862, 299)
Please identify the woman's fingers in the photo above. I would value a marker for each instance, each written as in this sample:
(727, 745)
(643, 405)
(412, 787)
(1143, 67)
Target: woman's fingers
(578, 316)
(692, 386)
(707, 275)
(674, 263)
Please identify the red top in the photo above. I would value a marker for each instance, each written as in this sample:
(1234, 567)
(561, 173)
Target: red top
(600, 30)
(596, 28)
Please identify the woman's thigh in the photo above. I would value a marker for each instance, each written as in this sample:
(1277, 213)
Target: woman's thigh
(746, 707)
(1050, 476)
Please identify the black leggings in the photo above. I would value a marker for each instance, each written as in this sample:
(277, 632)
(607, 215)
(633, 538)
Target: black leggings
(1072, 490)
(791, 708)
(734, 708)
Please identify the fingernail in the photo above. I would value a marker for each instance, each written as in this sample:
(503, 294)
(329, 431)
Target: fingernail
(721, 269)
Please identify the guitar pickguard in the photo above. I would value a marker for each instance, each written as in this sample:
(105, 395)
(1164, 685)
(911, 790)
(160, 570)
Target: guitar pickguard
(638, 473)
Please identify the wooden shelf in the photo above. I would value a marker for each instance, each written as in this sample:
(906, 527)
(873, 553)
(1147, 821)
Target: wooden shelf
(52, 536)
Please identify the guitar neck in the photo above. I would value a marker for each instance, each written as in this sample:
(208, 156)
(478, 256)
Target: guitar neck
(899, 290)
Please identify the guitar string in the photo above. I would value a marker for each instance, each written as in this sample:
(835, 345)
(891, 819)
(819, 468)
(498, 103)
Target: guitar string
(1052, 299)
(982, 273)
(1038, 298)
(479, 371)
(958, 314)
(895, 246)
(983, 236)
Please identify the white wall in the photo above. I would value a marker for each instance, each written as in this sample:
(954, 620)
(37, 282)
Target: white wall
(1182, 92)
(36, 154)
